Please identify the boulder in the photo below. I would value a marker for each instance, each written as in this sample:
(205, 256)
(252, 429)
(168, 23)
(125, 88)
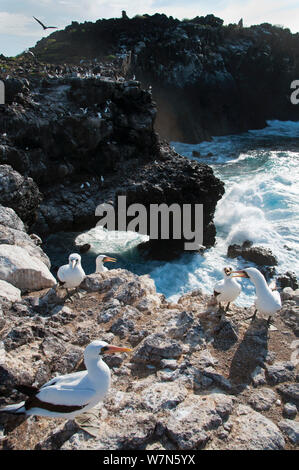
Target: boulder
(291, 429)
(9, 292)
(163, 396)
(253, 431)
(27, 273)
(290, 410)
(280, 372)
(256, 254)
(288, 279)
(190, 424)
(9, 218)
(20, 193)
(156, 347)
(10, 236)
(290, 392)
(263, 399)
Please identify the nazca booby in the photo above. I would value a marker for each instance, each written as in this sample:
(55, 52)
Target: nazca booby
(99, 263)
(228, 289)
(71, 275)
(267, 301)
(67, 396)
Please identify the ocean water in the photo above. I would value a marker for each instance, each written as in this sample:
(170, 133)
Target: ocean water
(260, 170)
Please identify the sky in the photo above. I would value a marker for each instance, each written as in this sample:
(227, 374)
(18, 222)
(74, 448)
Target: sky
(18, 30)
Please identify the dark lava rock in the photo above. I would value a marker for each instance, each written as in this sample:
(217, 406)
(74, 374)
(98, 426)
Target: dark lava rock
(288, 279)
(256, 254)
(84, 248)
(156, 347)
(290, 392)
(19, 193)
(85, 139)
(280, 372)
(201, 72)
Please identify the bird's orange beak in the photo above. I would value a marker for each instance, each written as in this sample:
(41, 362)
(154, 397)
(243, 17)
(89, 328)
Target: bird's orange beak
(115, 349)
(239, 274)
(112, 260)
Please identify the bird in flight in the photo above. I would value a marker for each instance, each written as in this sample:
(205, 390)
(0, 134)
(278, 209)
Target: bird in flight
(45, 27)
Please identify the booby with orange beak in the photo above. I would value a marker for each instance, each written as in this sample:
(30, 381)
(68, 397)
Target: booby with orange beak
(67, 396)
(103, 259)
(267, 301)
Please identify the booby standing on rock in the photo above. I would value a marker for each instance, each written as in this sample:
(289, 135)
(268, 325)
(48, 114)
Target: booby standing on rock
(228, 289)
(103, 259)
(71, 275)
(267, 300)
(67, 396)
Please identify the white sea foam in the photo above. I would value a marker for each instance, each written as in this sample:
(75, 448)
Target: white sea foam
(260, 172)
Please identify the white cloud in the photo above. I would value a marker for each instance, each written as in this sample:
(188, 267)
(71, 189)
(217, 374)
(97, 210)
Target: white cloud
(285, 13)
(16, 24)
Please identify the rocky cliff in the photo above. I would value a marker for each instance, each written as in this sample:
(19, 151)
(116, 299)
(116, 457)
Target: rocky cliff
(208, 79)
(75, 137)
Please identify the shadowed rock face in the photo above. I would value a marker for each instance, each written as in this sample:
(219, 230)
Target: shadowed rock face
(208, 79)
(82, 138)
(176, 180)
(19, 193)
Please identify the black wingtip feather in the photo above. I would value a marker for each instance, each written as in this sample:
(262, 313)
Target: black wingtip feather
(28, 390)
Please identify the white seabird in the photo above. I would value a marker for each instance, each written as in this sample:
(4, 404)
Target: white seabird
(99, 263)
(267, 301)
(71, 275)
(228, 289)
(67, 396)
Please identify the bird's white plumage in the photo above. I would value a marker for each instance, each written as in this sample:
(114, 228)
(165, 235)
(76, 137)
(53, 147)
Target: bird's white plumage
(100, 268)
(85, 388)
(71, 274)
(228, 289)
(267, 302)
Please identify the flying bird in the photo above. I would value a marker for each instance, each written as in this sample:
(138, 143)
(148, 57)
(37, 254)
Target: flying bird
(67, 396)
(99, 263)
(267, 301)
(42, 24)
(228, 289)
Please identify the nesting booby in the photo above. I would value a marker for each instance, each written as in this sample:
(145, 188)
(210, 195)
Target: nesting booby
(71, 275)
(67, 396)
(43, 26)
(103, 259)
(228, 289)
(267, 301)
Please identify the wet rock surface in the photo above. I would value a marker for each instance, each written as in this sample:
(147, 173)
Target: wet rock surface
(258, 255)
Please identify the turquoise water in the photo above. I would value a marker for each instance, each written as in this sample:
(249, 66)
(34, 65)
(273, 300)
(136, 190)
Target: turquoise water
(260, 172)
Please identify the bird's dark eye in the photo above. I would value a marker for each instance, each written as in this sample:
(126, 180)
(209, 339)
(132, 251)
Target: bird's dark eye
(104, 348)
